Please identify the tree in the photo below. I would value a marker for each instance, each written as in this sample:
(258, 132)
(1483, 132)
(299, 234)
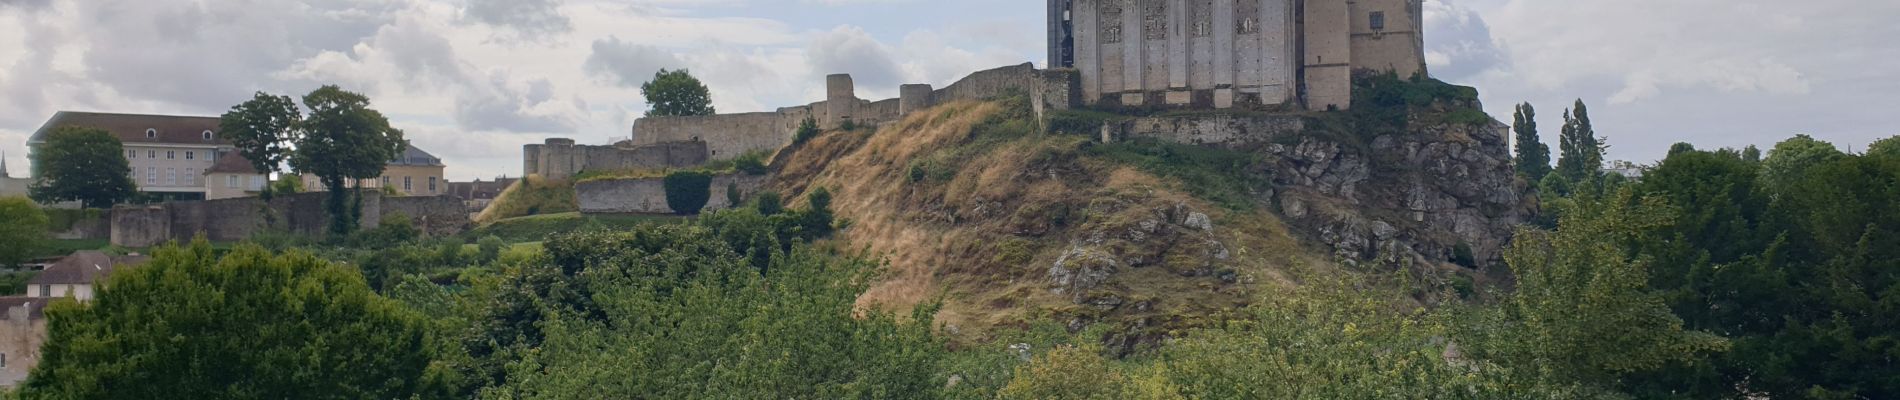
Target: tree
(1788, 163)
(263, 129)
(24, 231)
(1582, 149)
(1583, 306)
(676, 93)
(288, 184)
(82, 164)
(343, 140)
(190, 324)
(1889, 147)
(807, 129)
(687, 191)
(1533, 156)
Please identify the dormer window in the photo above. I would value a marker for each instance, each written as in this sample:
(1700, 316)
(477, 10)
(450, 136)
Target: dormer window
(207, 135)
(151, 133)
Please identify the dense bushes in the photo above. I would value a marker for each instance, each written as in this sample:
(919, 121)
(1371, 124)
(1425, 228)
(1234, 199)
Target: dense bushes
(688, 191)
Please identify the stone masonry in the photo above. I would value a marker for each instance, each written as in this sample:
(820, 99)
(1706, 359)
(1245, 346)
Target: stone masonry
(1220, 53)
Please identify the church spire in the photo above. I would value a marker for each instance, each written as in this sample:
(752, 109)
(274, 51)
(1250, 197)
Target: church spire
(3, 165)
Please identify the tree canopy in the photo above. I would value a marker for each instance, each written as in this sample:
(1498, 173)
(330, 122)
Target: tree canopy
(263, 129)
(248, 325)
(676, 93)
(87, 165)
(343, 139)
(1533, 156)
(1582, 155)
(24, 231)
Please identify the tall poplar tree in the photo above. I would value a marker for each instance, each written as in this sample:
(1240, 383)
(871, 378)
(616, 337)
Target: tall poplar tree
(1582, 151)
(1533, 156)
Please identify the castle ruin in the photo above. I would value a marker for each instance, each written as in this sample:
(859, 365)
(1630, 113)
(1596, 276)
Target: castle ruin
(1207, 54)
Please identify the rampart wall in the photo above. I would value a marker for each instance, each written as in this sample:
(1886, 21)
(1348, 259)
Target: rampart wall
(562, 159)
(1228, 131)
(237, 219)
(648, 196)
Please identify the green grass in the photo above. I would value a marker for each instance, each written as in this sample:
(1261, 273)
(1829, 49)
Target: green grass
(62, 247)
(537, 228)
(1223, 177)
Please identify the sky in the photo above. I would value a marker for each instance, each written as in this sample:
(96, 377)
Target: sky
(473, 80)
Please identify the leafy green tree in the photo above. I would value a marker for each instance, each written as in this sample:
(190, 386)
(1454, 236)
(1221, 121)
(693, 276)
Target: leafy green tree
(1583, 306)
(1582, 156)
(287, 184)
(1340, 337)
(676, 93)
(1788, 163)
(1889, 147)
(490, 247)
(671, 311)
(769, 204)
(1533, 156)
(1752, 154)
(87, 165)
(25, 231)
(1681, 147)
(1081, 373)
(249, 325)
(687, 191)
(343, 139)
(263, 130)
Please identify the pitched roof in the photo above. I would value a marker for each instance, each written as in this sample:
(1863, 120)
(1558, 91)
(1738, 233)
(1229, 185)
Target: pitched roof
(134, 128)
(35, 306)
(232, 162)
(83, 268)
(414, 156)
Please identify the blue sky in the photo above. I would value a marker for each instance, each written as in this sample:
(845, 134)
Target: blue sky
(473, 80)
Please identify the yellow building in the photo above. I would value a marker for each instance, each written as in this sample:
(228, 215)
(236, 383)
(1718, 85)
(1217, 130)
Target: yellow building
(233, 176)
(414, 173)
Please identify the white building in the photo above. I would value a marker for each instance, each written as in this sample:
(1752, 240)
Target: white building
(169, 154)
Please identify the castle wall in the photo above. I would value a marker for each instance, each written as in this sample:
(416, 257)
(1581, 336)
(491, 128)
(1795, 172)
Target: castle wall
(648, 196)
(1399, 46)
(22, 332)
(727, 136)
(1228, 131)
(231, 220)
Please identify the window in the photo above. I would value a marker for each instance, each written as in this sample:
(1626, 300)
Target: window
(257, 182)
(171, 154)
(46, 290)
(151, 154)
(385, 181)
(207, 135)
(131, 154)
(230, 181)
(1378, 20)
(406, 187)
(191, 177)
(151, 133)
(431, 184)
(171, 177)
(151, 175)
(189, 155)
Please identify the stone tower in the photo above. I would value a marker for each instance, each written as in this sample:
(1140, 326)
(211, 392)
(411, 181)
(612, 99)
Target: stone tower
(1223, 53)
(841, 99)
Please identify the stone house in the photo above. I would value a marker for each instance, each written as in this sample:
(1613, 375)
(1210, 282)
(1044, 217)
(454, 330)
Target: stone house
(168, 153)
(413, 173)
(23, 326)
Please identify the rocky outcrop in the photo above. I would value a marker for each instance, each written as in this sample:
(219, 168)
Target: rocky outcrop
(1411, 196)
(1176, 237)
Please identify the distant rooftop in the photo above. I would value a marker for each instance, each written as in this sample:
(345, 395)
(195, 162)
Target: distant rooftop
(138, 128)
(414, 156)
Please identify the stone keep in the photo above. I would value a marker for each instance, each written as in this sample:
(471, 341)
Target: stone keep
(1218, 53)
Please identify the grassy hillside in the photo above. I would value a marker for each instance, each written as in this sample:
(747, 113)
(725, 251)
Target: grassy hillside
(532, 195)
(969, 203)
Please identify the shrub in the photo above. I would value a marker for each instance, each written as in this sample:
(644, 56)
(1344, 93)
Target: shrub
(24, 231)
(396, 229)
(769, 204)
(732, 195)
(807, 129)
(490, 247)
(1461, 255)
(751, 163)
(688, 191)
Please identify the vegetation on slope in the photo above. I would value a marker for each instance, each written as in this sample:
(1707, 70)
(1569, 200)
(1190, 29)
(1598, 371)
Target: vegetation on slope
(969, 202)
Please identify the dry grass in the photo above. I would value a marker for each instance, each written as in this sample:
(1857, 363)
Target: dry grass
(532, 195)
(942, 239)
